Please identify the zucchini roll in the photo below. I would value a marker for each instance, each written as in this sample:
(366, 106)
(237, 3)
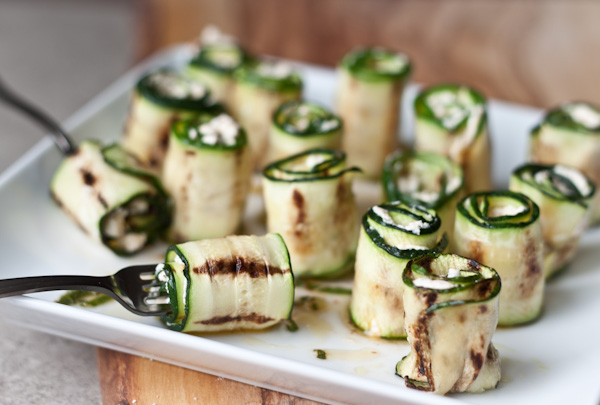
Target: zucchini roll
(502, 230)
(110, 198)
(427, 179)
(309, 201)
(451, 310)
(214, 65)
(261, 87)
(570, 135)
(369, 100)
(237, 282)
(299, 126)
(564, 196)
(159, 99)
(451, 120)
(207, 173)
(391, 235)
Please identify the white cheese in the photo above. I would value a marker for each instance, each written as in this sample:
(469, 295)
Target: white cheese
(434, 284)
(453, 185)
(576, 177)
(303, 110)
(114, 226)
(391, 65)
(411, 247)
(408, 184)
(453, 273)
(507, 210)
(138, 206)
(541, 177)
(133, 241)
(465, 139)
(384, 215)
(275, 69)
(221, 129)
(171, 84)
(328, 125)
(415, 227)
(302, 124)
(227, 58)
(439, 102)
(426, 196)
(584, 115)
(211, 35)
(314, 160)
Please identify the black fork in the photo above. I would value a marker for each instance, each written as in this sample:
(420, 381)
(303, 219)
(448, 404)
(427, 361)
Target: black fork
(137, 288)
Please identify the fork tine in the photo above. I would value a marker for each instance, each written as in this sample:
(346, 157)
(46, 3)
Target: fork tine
(147, 276)
(162, 300)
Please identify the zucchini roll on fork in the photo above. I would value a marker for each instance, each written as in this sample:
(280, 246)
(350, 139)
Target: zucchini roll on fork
(237, 282)
(207, 173)
(451, 120)
(427, 179)
(391, 235)
(111, 198)
(451, 307)
(261, 86)
(371, 84)
(299, 126)
(309, 201)
(159, 99)
(502, 230)
(564, 196)
(570, 135)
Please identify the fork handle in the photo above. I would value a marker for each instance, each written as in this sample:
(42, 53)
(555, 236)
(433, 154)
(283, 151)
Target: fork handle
(60, 137)
(16, 286)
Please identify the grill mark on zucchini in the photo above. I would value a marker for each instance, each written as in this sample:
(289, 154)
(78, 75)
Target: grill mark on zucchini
(237, 266)
(299, 203)
(477, 360)
(534, 270)
(253, 317)
(88, 178)
(102, 201)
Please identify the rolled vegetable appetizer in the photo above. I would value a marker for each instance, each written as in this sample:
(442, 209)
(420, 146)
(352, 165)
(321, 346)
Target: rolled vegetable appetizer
(451, 309)
(214, 65)
(111, 198)
(299, 126)
(237, 282)
(207, 173)
(260, 88)
(372, 81)
(502, 230)
(427, 179)
(309, 201)
(563, 195)
(159, 99)
(451, 120)
(570, 135)
(391, 235)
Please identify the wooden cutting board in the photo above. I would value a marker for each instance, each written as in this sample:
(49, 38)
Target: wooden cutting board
(127, 379)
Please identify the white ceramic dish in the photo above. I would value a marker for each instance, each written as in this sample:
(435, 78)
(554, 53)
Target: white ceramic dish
(552, 361)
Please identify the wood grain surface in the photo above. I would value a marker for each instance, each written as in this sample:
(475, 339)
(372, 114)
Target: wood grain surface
(533, 52)
(126, 379)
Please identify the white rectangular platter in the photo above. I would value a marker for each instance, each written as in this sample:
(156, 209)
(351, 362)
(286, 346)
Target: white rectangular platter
(552, 361)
